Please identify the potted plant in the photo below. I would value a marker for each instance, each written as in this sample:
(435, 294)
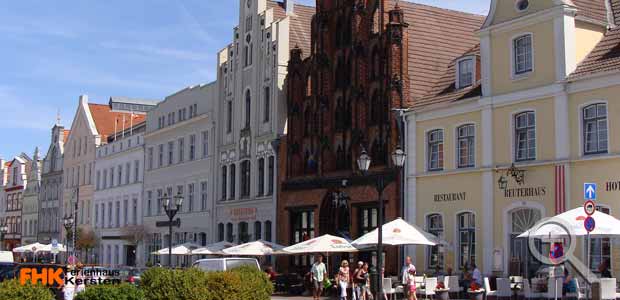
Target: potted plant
(475, 291)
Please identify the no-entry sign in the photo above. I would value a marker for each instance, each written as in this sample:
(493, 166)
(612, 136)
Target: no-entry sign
(589, 207)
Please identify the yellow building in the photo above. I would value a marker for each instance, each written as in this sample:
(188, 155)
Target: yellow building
(512, 132)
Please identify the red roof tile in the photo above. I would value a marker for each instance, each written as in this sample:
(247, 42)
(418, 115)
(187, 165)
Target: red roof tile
(604, 57)
(107, 122)
(66, 135)
(592, 9)
(300, 24)
(615, 9)
(436, 36)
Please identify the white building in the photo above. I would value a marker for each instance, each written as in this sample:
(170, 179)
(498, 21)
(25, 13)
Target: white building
(50, 197)
(252, 110)
(179, 160)
(16, 183)
(117, 211)
(30, 210)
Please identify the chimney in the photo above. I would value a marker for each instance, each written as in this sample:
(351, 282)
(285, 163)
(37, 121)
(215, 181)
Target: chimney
(289, 6)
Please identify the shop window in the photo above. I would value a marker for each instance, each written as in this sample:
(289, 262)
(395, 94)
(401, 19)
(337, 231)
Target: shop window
(243, 234)
(595, 129)
(525, 136)
(466, 146)
(467, 239)
(302, 224)
(434, 225)
(600, 248)
(220, 232)
(435, 150)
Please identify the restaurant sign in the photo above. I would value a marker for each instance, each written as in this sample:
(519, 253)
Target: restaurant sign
(450, 197)
(525, 192)
(241, 214)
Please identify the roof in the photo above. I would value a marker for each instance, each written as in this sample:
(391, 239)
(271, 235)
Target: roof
(445, 90)
(604, 57)
(436, 36)
(592, 10)
(300, 33)
(107, 122)
(134, 101)
(615, 10)
(66, 133)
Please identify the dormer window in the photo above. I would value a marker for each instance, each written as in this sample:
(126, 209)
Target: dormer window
(465, 75)
(522, 5)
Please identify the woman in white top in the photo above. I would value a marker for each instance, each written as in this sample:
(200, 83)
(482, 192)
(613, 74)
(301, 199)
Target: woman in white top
(343, 279)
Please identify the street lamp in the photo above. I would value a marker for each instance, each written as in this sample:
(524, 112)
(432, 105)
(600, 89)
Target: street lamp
(171, 210)
(68, 222)
(3, 230)
(381, 182)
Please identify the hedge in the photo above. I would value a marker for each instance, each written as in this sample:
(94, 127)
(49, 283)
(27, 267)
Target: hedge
(194, 284)
(12, 289)
(124, 291)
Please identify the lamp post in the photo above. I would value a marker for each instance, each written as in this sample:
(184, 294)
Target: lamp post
(3, 230)
(68, 222)
(381, 182)
(171, 211)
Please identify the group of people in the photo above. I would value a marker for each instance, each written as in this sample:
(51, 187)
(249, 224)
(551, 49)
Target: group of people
(358, 280)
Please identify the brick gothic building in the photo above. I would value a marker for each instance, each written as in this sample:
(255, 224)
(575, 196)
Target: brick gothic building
(367, 57)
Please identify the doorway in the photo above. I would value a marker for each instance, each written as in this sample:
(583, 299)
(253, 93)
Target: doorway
(522, 262)
(130, 254)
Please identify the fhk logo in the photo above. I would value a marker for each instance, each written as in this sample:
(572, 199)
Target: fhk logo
(46, 276)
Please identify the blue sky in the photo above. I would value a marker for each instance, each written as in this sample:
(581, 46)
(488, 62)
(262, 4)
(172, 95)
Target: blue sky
(54, 51)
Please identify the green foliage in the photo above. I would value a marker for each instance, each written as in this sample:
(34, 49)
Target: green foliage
(124, 291)
(12, 289)
(194, 284)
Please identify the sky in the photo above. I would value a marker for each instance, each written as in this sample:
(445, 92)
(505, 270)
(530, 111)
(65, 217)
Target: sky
(51, 52)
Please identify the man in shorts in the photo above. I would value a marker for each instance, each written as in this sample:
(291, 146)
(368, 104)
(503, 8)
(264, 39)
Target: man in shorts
(318, 273)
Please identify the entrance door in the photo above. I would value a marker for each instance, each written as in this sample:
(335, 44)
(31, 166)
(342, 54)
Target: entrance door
(522, 262)
(130, 254)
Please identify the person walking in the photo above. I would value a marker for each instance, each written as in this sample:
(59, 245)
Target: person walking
(344, 279)
(405, 274)
(355, 290)
(318, 273)
(411, 285)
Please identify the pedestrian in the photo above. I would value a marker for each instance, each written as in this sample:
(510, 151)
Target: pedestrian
(355, 282)
(69, 288)
(344, 279)
(364, 283)
(476, 276)
(318, 275)
(603, 269)
(405, 274)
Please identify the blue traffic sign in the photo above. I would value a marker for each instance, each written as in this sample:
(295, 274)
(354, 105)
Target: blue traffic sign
(589, 191)
(589, 224)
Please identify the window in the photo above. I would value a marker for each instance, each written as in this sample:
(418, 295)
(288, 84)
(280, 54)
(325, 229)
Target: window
(192, 147)
(229, 117)
(149, 203)
(120, 175)
(233, 178)
(467, 238)
(230, 237)
(522, 51)
(149, 158)
(434, 225)
(302, 224)
(595, 129)
(136, 171)
(112, 177)
(160, 201)
(245, 178)
(248, 108)
(125, 212)
(127, 172)
(267, 107)
(271, 176)
(600, 248)
(220, 232)
(224, 179)
(118, 214)
(435, 150)
(258, 230)
(160, 160)
(170, 153)
(525, 136)
(190, 197)
(268, 231)
(98, 181)
(105, 180)
(465, 146)
(261, 176)
(96, 215)
(181, 149)
(203, 195)
(205, 144)
(465, 73)
(191, 111)
(368, 219)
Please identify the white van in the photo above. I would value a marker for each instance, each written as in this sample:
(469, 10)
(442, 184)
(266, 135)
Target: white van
(224, 264)
(6, 257)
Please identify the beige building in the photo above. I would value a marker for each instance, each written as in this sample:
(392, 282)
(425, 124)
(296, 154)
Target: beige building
(512, 132)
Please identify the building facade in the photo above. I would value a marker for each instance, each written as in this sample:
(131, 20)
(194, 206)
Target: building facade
(30, 209)
(17, 182)
(50, 197)
(511, 133)
(179, 150)
(252, 110)
(119, 173)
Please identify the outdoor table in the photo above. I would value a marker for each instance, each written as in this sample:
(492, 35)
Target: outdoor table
(516, 287)
(476, 294)
(442, 294)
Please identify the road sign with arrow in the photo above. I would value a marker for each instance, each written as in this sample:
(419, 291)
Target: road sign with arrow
(589, 191)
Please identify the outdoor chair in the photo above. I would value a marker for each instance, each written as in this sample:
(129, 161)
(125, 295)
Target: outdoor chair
(554, 288)
(388, 289)
(503, 288)
(608, 288)
(429, 287)
(527, 291)
(487, 289)
(452, 283)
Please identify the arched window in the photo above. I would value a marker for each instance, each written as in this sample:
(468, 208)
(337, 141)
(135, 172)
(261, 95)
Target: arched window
(242, 233)
(248, 108)
(340, 158)
(230, 237)
(339, 114)
(595, 129)
(467, 238)
(375, 19)
(220, 232)
(268, 231)
(521, 220)
(224, 180)
(375, 109)
(258, 231)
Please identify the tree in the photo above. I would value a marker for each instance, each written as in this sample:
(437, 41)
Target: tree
(86, 240)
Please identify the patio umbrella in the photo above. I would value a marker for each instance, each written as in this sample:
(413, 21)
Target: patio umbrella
(213, 248)
(36, 247)
(396, 233)
(48, 248)
(183, 249)
(325, 243)
(606, 225)
(257, 248)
